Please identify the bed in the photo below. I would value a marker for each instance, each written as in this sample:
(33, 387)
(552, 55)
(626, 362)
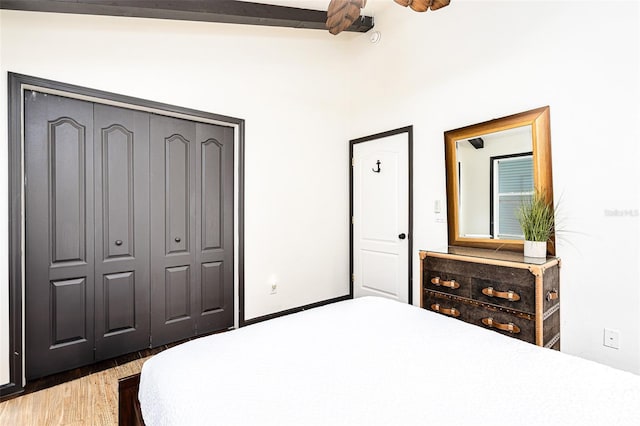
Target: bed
(373, 361)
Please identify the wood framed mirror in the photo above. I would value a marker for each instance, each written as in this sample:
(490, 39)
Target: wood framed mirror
(491, 167)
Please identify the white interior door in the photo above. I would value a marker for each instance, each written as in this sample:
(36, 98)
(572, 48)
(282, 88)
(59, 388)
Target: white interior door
(381, 217)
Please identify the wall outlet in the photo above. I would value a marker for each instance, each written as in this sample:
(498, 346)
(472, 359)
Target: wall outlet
(611, 338)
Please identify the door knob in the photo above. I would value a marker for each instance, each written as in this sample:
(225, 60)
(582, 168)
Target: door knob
(402, 236)
(177, 239)
(118, 242)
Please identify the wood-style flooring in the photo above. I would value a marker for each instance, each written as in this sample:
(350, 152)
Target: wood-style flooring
(84, 396)
(88, 400)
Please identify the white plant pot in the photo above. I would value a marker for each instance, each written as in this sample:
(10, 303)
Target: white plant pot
(535, 249)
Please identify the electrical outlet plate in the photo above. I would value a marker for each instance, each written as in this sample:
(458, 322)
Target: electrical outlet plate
(611, 338)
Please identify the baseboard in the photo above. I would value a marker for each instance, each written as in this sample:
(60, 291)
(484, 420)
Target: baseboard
(294, 310)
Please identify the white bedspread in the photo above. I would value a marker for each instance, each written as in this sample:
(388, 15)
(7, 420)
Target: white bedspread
(372, 361)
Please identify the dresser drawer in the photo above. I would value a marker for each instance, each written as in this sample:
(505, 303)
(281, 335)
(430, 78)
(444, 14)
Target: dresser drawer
(446, 305)
(446, 276)
(520, 326)
(520, 296)
(512, 324)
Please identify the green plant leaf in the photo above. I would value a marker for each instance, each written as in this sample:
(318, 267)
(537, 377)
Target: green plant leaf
(537, 218)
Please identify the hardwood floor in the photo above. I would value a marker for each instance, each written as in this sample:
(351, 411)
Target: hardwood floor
(89, 400)
(84, 396)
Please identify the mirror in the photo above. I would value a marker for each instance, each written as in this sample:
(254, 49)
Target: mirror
(492, 167)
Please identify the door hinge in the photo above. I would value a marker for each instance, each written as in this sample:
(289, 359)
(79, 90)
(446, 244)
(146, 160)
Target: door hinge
(353, 162)
(353, 278)
(352, 220)
(150, 343)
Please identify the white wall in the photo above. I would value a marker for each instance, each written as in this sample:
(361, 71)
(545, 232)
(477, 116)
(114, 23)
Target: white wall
(478, 60)
(288, 86)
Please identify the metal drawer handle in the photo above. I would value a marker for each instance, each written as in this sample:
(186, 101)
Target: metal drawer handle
(452, 312)
(177, 239)
(453, 284)
(510, 327)
(510, 295)
(118, 242)
(552, 295)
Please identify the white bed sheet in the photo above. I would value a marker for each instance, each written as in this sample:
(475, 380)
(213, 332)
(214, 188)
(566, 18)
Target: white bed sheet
(372, 361)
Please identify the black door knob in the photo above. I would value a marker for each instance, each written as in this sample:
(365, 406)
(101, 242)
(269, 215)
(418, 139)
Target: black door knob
(402, 236)
(118, 242)
(177, 239)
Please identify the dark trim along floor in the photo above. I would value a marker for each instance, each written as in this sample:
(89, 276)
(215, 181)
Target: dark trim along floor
(294, 310)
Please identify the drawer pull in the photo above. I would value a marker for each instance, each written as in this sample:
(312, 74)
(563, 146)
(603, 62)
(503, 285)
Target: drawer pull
(453, 284)
(510, 327)
(552, 295)
(510, 295)
(452, 312)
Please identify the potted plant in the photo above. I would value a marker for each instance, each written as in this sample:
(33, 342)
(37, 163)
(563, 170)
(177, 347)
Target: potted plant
(537, 219)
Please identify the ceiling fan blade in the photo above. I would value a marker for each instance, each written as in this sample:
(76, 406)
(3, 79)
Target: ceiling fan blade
(420, 5)
(423, 5)
(437, 4)
(342, 13)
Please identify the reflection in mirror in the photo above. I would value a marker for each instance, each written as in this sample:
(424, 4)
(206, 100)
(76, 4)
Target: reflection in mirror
(492, 167)
(495, 172)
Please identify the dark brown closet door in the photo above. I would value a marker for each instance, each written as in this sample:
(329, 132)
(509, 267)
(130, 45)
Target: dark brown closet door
(214, 222)
(173, 229)
(59, 275)
(121, 168)
(191, 228)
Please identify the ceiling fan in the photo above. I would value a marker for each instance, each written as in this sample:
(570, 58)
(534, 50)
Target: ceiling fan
(342, 13)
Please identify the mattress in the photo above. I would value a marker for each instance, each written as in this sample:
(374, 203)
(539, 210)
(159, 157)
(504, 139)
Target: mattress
(373, 361)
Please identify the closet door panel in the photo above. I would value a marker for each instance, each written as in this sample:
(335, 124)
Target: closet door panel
(211, 193)
(177, 294)
(59, 238)
(212, 278)
(119, 303)
(122, 230)
(177, 193)
(68, 312)
(214, 221)
(173, 227)
(67, 172)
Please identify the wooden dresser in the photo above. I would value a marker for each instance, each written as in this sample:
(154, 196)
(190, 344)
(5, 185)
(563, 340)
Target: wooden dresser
(496, 290)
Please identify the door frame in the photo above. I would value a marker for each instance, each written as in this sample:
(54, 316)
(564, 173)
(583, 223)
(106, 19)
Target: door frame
(409, 131)
(17, 83)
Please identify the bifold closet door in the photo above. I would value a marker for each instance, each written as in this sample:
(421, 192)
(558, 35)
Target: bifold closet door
(87, 232)
(214, 225)
(191, 228)
(121, 170)
(129, 231)
(59, 235)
